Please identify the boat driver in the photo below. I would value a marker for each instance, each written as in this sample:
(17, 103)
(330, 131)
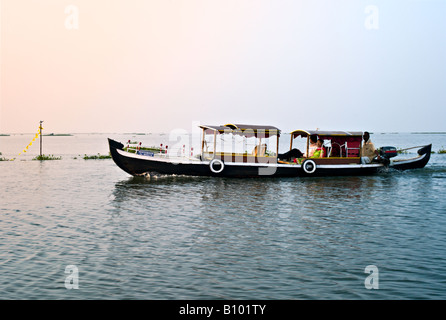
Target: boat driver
(368, 151)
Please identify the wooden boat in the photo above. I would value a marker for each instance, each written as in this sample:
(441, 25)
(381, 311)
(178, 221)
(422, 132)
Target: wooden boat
(341, 155)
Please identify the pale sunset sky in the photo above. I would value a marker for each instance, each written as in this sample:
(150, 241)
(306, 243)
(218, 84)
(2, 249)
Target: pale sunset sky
(158, 65)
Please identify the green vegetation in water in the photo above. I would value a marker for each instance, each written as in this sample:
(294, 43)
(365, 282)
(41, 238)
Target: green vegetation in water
(400, 151)
(96, 157)
(442, 150)
(45, 157)
(4, 159)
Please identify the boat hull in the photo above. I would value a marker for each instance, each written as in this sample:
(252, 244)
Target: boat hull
(136, 165)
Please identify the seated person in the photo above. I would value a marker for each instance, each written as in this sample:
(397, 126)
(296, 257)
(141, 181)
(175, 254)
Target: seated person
(312, 147)
(255, 151)
(319, 151)
(259, 151)
(368, 151)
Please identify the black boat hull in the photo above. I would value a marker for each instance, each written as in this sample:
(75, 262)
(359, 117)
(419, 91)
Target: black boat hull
(139, 165)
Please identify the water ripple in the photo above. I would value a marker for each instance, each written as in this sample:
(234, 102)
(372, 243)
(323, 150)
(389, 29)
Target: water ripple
(205, 238)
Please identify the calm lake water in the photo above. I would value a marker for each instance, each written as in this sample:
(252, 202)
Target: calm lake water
(215, 238)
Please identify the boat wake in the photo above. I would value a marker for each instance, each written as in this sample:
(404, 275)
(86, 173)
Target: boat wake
(159, 176)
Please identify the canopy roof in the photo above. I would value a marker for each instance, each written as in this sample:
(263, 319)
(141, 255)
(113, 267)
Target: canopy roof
(243, 129)
(306, 133)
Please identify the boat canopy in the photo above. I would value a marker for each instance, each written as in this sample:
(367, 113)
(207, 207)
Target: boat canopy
(306, 133)
(243, 129)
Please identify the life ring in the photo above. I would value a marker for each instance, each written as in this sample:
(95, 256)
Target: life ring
(309, 166)
(218, 162)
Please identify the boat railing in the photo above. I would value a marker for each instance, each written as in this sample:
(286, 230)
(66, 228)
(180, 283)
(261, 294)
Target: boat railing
(137, 148)
(164, 152)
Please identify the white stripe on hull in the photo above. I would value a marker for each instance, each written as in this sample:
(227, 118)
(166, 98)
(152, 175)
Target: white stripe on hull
(177, 160)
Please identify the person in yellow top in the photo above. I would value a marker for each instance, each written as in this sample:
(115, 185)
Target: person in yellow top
(319, 152)
(316, 152)
(368, 151)
(312, 146)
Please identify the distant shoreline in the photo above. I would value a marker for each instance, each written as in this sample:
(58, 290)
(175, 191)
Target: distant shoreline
(428, 132)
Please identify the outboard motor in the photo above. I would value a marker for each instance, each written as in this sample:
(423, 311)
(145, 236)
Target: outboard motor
(388, 152)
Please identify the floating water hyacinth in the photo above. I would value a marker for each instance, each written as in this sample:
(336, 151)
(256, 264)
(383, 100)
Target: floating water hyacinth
(45, 157)
(96, 157)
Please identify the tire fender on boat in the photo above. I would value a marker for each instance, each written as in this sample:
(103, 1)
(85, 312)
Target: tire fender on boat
(218, 162)
(309, 166)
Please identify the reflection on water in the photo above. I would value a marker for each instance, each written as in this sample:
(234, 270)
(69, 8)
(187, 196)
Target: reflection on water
(276, 238)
